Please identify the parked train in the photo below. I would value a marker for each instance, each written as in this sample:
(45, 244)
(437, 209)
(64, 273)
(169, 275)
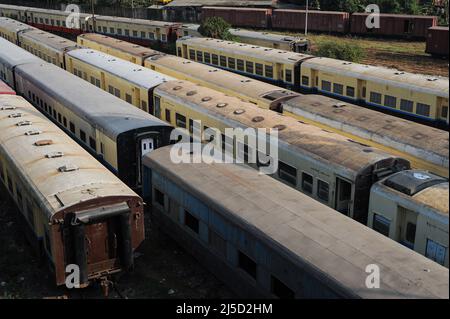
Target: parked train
(335, 170)
(403, 138)
(437, 41)
(418, 97)
(73, 210)
(265, 240)
(392, 25)
(113, 132)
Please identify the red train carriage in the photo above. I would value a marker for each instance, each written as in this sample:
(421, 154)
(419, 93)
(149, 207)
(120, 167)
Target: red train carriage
(322, 21)
(240, 17)
(437, 41)
(397, 25)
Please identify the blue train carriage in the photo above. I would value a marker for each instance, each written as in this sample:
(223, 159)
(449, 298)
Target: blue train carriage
(415, 96)
(272, 65)
(112, 130)
(411, 207)
(332, 169)
(264, 239)
(73, 210)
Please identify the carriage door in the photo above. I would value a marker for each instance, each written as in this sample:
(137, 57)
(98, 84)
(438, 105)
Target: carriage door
(361, 90)
(147, 145)
(343, 196)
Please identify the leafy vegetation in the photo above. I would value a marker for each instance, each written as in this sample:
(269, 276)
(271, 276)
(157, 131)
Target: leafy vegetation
(216, 27)
(340, 50)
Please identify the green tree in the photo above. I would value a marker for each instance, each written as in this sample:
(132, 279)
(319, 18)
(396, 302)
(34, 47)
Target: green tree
(217, 28)
(340, 50)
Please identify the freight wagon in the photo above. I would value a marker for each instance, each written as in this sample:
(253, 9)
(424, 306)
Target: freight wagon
(437, 41)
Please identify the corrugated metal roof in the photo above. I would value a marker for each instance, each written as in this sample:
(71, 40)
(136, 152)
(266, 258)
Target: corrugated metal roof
(11, 55)
(131, 72)
(49, 40)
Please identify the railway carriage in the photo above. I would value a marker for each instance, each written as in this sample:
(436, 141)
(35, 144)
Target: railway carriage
(437, 41)
(13, 12)
(140, 31)
(411, 207)
(108, 127)
(129, 82)
(330, 168)
(74, 211)
(47, 46)
(412, 95)
(9, 29)
(272, 65)
(425, 147)
(122, 49)
(264, 239)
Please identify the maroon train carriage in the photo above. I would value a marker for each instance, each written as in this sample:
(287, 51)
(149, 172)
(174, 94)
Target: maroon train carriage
(321, 21)
(396, 25)
(437, 41)
(240, 17)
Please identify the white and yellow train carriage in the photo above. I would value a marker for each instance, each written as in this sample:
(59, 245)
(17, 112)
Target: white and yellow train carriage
(128, 81)
(122, 49)
(272, 65)
(411, 207)
(414, 95)
(137, 29)
(66, 197)
(10, 28)
(49, 47)
(424, 146)
(13, 12)
(332, 169)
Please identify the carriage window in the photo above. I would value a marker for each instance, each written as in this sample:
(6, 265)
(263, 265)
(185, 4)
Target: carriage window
(307, 183)
(326, 86)
(111, 30)
(191, 54)
(249, 66)
(240, 65)
(105, 30)
(168, 119)
(390, 101)
(151, 36)
(381, 224)
(143, 34)
(59, 117)
(83, 136)
(207, 57)
(375, 97)
(287, 173)
(180, 120)
(159, 197)
(117, 92)
(246, 264)
(231, 63)
(215, 59)
(423, 109)
(269, 71)
(435, 251)
(411, 233)
(163, 37)
(191, 221)
(350, 91)
(128, 98)
(323, 190)
(444, 112)
(200, 56)
(305, 80)
(119, 31)
(127, 32)
(97, 83)
(223, 61)
(65, 121)
(338, 88)
(406, 105)
(72, 127)
(179, 52)
(259, 69)
(288, 76)
(110, 89)
(144, 106)
(135, 34)
(279, 289)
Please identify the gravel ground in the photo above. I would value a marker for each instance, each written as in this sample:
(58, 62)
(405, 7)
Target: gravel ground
(163, 269)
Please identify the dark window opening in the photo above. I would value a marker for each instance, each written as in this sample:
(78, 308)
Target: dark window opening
(191, 221)
(247, 264)
(281, 290)
(159, 197)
